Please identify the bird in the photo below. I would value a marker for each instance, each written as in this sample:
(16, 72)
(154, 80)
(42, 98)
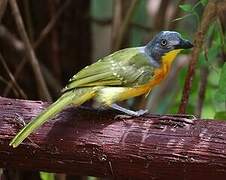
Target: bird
(124, 74)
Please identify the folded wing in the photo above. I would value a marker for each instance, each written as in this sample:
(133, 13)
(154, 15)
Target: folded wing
(127, 67)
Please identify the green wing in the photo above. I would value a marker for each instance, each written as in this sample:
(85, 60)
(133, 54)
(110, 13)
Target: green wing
(127, 67)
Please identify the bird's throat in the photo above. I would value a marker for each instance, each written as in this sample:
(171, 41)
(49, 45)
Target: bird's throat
(161, 72)
(168, 58)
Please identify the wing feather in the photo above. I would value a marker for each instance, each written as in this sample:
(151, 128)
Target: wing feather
(126, 67)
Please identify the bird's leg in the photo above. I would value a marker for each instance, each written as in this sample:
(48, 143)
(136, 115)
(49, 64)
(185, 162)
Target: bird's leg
(129, 112)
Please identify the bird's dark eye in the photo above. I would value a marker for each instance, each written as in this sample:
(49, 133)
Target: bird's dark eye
(163, 42)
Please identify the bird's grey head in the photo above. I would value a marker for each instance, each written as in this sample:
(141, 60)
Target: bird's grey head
(164, 42)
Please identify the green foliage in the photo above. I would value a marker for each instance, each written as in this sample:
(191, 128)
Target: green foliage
(210, 55)
(101, 9)
(220, 95)
(220, 115)
(214, 105)
(186, 7)
(47, 176)
(204, 2)
(192, 9)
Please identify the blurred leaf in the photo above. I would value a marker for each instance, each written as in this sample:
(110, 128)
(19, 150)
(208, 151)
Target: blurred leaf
(140, 17)
(101, 9)
(211, 29)
(212, 54)
(92, 178)
(47, 176)
(186, 7)
(220, 95)
(204, 2)
(217, 36)
(222, 83)
(220, 115)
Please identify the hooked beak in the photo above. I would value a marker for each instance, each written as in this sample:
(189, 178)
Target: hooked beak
(184, 44)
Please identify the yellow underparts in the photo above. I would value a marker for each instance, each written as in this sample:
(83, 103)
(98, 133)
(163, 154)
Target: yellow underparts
(126, 93)
(161, 73)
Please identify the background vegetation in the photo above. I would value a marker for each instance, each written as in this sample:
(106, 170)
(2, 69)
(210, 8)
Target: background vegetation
(61, 37)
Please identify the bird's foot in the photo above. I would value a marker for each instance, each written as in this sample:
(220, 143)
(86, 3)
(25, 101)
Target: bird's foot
(128, 111)
(131, 114)
(141, 112)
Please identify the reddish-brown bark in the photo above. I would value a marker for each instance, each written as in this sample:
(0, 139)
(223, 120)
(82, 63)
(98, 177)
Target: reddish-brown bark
(89, 142)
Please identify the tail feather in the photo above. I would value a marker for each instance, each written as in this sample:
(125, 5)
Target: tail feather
(75, 97)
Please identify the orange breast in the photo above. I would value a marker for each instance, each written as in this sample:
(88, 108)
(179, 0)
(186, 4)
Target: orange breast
(159, 75)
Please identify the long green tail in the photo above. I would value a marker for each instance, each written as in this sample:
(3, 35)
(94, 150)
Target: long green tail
(75, 97)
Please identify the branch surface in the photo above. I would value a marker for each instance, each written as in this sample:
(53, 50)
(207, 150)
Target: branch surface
(89, 142)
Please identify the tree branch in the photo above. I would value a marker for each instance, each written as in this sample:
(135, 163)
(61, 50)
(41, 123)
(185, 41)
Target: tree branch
(124, 25)
(160, 17)
(43, 35)
(30, 52)
(3, 6)
(176, 14)
(89, 142)
(10, 74)
(204, 72)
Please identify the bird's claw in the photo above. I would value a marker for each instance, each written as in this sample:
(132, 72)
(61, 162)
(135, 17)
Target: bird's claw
(131, 115)
(141, 112)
